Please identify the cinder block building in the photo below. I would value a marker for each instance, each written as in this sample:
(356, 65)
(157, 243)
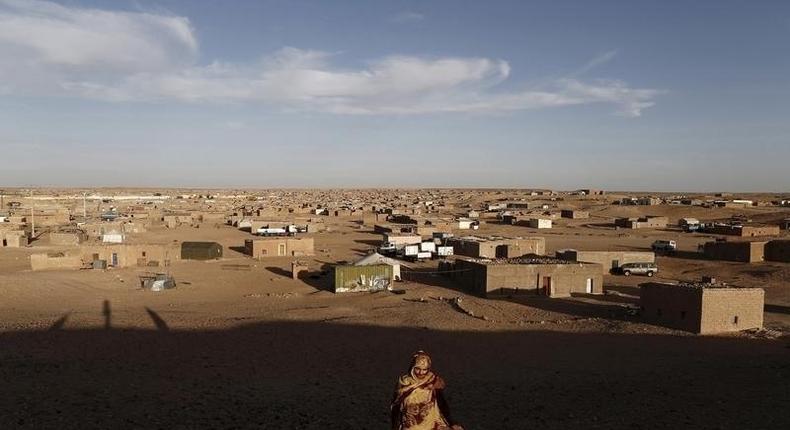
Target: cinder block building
(404, 228)
(130, 255)
(648, 201)
(537, 276)
(540, 223)
(510, 219)
(13, 238)
(743, 251)
(279, 247)
(702, 308)
(496, 247)
(574, 214)
(175, 220)
(644, 222)
(746, 230)
(608, 260)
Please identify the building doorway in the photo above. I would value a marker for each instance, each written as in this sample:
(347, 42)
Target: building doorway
(281, 249)
(114, 259)
(589, 288)
(547, 286)
(501, 251)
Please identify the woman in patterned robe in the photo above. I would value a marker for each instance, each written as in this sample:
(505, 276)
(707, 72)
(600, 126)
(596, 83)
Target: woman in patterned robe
(418, 403)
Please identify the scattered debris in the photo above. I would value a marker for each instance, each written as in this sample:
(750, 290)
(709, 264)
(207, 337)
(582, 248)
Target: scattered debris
(764, 333)
(457, 303)
(157, 282)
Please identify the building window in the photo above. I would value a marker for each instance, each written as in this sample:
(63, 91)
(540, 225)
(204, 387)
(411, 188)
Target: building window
(143, 253)
(735, 319)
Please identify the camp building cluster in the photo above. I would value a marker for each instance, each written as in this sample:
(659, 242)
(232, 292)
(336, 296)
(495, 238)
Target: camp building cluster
(416, 231)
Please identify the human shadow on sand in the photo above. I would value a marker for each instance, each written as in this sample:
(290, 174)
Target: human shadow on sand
(327, 375)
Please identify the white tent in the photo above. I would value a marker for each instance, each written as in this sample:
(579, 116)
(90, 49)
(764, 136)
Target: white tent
(376, 258)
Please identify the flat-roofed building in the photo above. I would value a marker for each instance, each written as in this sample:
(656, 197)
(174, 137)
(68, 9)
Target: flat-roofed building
(540, 223)
(649, 221)
(13, 238)
(753, 230)
(130, 255)
(279, 247)
(528, 275)
(743, 251)
(574, 214)
(496, 247)
(702, 308)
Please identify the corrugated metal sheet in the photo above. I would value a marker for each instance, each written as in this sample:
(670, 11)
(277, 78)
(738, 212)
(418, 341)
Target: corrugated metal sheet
(362, 278)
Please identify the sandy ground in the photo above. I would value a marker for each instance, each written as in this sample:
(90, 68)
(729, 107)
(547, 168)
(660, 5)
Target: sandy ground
(238, 344)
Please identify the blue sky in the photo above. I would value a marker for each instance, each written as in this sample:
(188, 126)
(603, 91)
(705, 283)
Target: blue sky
(663, 95)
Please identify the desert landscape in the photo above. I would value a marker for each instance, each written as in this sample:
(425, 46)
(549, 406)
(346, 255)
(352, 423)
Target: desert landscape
(400, 215)
(241, 343)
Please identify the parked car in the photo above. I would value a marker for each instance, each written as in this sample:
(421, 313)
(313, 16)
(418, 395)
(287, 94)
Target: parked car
(628, 269)
(664, 246)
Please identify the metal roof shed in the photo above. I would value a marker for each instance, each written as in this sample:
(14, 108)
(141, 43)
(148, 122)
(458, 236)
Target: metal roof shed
(201, 251)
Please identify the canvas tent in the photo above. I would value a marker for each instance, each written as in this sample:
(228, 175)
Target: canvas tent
(201, 250)
(376, 259)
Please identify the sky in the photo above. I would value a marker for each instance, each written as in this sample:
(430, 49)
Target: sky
(625, 95)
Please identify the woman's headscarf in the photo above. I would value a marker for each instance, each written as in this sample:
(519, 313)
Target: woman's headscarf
(422, 359)
(409, 382)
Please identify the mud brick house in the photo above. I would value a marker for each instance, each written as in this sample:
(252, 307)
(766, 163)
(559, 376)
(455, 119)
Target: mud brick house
(529, 275)
(703, 308)
(743, 251)
(496, 247)
(279, 247)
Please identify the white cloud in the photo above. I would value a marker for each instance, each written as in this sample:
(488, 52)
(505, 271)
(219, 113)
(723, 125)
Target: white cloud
(630, 100)
(50, 49)
(595, 62)
(407, 17)
(42, 42)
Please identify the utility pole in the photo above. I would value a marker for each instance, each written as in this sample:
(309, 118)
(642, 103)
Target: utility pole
(2, 199)
(84, 208)
(32, 217)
